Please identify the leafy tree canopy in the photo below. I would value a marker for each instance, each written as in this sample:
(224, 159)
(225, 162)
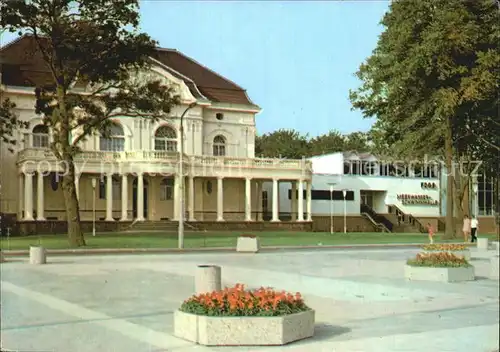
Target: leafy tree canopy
(98, 68)
(292, 144)
(435, 66)
(9, 123)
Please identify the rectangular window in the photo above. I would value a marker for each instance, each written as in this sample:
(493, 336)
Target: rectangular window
(355, 168)
(264, 201)
(325, 195)
(102, 188)
(40, 140)
(166, 193)
(347, 168)
(113, 144)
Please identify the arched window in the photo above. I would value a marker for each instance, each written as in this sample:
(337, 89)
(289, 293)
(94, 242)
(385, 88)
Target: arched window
(166, 139)
(167, 189)
(40, 136)
(219, 146)
(114, 141)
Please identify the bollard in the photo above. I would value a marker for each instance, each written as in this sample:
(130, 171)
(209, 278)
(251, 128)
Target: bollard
(38, 255)
(208, 279)
(482, 243)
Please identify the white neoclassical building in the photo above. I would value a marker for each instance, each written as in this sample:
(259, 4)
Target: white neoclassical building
(133, 173)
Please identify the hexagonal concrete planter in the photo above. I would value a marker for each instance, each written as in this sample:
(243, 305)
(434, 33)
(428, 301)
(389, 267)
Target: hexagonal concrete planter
(426, 273)
(465, 253)
(248, 244)
(494, 267)
(244, 331)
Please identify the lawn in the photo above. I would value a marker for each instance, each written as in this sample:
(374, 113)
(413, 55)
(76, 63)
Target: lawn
(214, 239)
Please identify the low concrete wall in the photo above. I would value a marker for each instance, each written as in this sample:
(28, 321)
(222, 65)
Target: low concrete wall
(487, 224)
(356, 223)
(244, 331)
(423, 273)
(294, 226)
(61, 227)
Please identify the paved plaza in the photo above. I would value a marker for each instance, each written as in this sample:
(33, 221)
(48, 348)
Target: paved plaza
(362, 302)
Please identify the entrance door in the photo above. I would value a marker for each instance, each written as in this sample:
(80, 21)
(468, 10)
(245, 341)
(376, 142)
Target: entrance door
(134, 199)
(367, 198)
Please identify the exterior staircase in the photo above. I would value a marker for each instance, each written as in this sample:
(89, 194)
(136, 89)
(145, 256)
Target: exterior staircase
(158, 226)
(378, 220)
(407, 224)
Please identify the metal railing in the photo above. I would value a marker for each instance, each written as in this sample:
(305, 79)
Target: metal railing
(407, 218)
(379, 219)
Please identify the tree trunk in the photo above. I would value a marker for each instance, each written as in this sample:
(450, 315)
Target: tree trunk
(450, 170)
(462, 183)
(75, 234)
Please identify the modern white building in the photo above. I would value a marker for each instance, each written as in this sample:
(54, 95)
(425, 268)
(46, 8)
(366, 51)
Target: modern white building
(354, 184)
(367, 181)
(132, 175)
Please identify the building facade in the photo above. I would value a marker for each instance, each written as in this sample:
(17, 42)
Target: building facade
(355, 184)
(132, 174)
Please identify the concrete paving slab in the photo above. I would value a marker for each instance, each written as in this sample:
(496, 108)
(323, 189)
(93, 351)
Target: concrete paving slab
(125, 302)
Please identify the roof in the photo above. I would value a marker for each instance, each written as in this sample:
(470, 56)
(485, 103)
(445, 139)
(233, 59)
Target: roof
(23, 65)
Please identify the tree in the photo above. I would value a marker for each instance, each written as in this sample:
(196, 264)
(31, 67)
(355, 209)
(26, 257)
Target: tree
(9, 122)
(423, 83)
(94, 45)
(282, 143)
(357, 141)
(330, 142)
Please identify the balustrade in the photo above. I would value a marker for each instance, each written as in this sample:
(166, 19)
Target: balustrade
(33, 155)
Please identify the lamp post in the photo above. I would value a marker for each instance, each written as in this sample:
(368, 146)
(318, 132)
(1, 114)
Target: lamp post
(180, 229)
(94, 184)
(475, 189)
(331, 207)
(344, 192)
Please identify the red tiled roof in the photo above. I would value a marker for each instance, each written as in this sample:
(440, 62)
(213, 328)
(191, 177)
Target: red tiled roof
(23, 65)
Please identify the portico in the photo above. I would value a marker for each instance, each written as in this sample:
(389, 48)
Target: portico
(128, 190)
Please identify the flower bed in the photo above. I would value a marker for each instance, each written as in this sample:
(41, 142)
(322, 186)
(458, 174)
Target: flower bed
(444, 247)
(235, 316)
(458, 250)
(248, 244)
(440, 266)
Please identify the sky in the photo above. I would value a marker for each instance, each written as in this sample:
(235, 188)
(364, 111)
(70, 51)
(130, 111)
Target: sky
(296, 59)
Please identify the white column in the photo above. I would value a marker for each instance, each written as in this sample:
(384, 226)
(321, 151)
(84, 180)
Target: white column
(77, 186)
(220, 199)
(140, 197)
(40, 198)
(124, 198)
(248, 199)
(293, 201)
(275, 200)
(309, 201)
(191, 199)
(109, 197)
(20, 195)
(300, 200)
(28, 196)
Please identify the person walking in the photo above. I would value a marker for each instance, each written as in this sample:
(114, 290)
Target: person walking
(473, 229)
(430, 230)
(466, 228)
